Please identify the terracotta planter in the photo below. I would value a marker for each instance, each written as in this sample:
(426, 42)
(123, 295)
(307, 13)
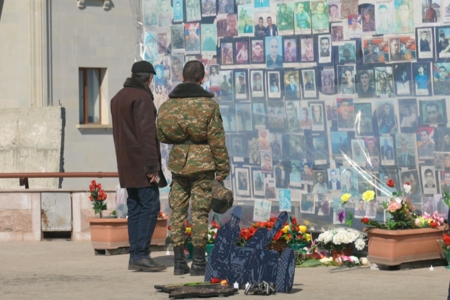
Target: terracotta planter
(109, 233)
(112, 233)
(393, 247)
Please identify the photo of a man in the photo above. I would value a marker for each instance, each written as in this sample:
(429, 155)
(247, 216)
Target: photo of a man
(309, 86)
(432, 112)
(320, 182)
(422, 82)
(319, 19)
(365, 88)
(292, 122)
(384, 18)
(425, 142)
(302, 18)
(260, 29)
(386, 150)
(274, 59)
(441, 79)
(231, 26)
(257, 51)
(192, 38)
(424, 43)
(290, 50)
(346, 118)
(257, 84)
(334, 184)
(405, 151)
(271, 29)
(429, 180)
(354, 29)
(429, 15)
(292, 89)
(325, 51)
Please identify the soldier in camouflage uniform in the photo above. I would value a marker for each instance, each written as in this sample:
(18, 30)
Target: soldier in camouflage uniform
(191, 121)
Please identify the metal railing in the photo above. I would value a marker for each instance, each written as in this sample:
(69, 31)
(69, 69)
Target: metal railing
(23, 177)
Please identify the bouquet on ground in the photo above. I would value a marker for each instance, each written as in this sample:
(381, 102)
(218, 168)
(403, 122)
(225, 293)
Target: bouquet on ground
(212, 232)
(341, 239)
(97, 197)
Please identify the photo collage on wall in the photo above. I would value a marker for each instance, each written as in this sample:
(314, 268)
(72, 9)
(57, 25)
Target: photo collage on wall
(318, 98)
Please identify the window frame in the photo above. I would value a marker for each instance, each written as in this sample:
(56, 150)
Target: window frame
(86, 95)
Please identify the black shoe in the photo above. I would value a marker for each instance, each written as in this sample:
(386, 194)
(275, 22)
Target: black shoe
(198, 262)
(146, 265)
(180, 265)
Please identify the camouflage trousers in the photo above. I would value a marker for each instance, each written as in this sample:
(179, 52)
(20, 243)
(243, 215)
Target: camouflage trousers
(197, 188)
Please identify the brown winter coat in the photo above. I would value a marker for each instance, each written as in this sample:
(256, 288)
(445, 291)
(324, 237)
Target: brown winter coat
(134, 131)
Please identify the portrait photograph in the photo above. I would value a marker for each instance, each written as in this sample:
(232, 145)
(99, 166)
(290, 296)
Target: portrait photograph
(365, 82)
(409, 120)
(402, 79)
(425, 45)
(358, 153)
(384, 18)
(332, 112)
(349, 7)
(402, 48)
(337, 33)
(387, 154)
(257, 84)
(347, 52)
(215, 78)
(334, 182)
(346, 116)
(151, 47)
(404, 16)
(375, 50)
(319, 17)
(327, 80)
(243, 117)
(292, 116)
(276, 116)
(371, 146)
(266, 162)
(307, 49)
(384, 82)
(261, 20)
(339, 143)
(422, 78)
(354, 29)
(302, 17)
(177, 38)
(425, 142)
(307, 177)
(444, 181)
(309, 83)
(307, 204)
(209, 8)
(263, 140)
(442, 42)
(225, 6)
(259, 115)
(276, 145)
(241, 85)
(193, 10)
(296, 147)
(177, 67)
(433, 112)
(367, 12)
(257, 51)
(320, 149)
(192, 37)
(334, 13)
(386, 117)
(346, 80)
(269, 188)
(285, 21)
(274, 84)
(318, 116)
(178, 11)
(261, 210)
(290, 49)
(384, 177)
(227, 52)
(429, 180)
(292, 88)
(162, 43)
(431, 12)
(325, 49)
(238, 145)
(274, 52)
(209, 39)
(442, 139)
(241, 50)
(349, 181)
(295, 176)
(226, 85)
(228, 113)
(405, 145)
(441, 78)
(364, 124)
(242, 181)
(320, 182)
(281, 173)
(305, 118)
(245, 20)
(258, 183)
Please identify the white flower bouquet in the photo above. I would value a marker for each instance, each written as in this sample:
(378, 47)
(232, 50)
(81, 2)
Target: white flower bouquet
(341, 239)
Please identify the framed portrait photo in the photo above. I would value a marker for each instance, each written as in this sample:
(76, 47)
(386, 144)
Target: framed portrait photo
(441, 78)
(409, 120)
(425, 43)
(258, 183)
(309, 83)
(384, 78)
(442, 42)
(242, 181)
(325, 49)
(347, 52)
(402, 48)
(318, 116)
(290, 49)
(307, 51)
(241, 84)
(375, 50)
(403, 79)
(257, 50)
(274, 83)
(346, 79)
(257, 84)
(192, 37)
(241, 49)
(227, 51)
(327, 80)
(274, 52)
(433, 112)
(422, 78)
(291, 86)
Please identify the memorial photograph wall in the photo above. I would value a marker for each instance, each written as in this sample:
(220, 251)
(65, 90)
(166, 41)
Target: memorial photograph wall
(318, 98)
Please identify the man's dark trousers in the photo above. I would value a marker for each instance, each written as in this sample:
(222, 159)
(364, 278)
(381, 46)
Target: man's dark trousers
(143, 209)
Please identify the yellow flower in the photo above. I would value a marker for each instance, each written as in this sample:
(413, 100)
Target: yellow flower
(188, 230)
(345, 198)
(302, 228)
(368, 196)
(308, 237)
(285, 229)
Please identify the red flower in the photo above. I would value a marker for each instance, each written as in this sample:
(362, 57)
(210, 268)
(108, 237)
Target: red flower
(215, 225)
(390, 183)
(446, 239)
(94, 183)
(365, 220)
(294, 221)
(90, 198)
(434, 224)
(91, 188)
(160, 214)
(168, 227)
(273, 219)
(407, 183)
(278, 235)
(99, 186)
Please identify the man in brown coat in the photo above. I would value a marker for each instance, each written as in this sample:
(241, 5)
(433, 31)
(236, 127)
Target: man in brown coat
(138, 161)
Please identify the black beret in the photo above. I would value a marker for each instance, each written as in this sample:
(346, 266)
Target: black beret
(143, 67)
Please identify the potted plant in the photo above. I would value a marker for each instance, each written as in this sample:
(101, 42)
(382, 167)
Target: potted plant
(340, 241)
(445, 245)
(405, 236)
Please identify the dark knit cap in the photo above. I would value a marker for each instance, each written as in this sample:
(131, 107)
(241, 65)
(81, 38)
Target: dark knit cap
(143, 67)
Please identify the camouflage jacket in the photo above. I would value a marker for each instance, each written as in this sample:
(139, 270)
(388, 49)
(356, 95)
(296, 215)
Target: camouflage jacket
(191, 116)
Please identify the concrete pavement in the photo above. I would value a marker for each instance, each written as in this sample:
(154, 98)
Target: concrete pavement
(70, 270)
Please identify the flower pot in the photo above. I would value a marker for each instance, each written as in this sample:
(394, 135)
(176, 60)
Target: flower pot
(297, 247)
(447, 257)
(109, 233)
(393, 247)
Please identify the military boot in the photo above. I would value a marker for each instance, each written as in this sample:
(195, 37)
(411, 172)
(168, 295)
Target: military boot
(198, 262)
(180, 264)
